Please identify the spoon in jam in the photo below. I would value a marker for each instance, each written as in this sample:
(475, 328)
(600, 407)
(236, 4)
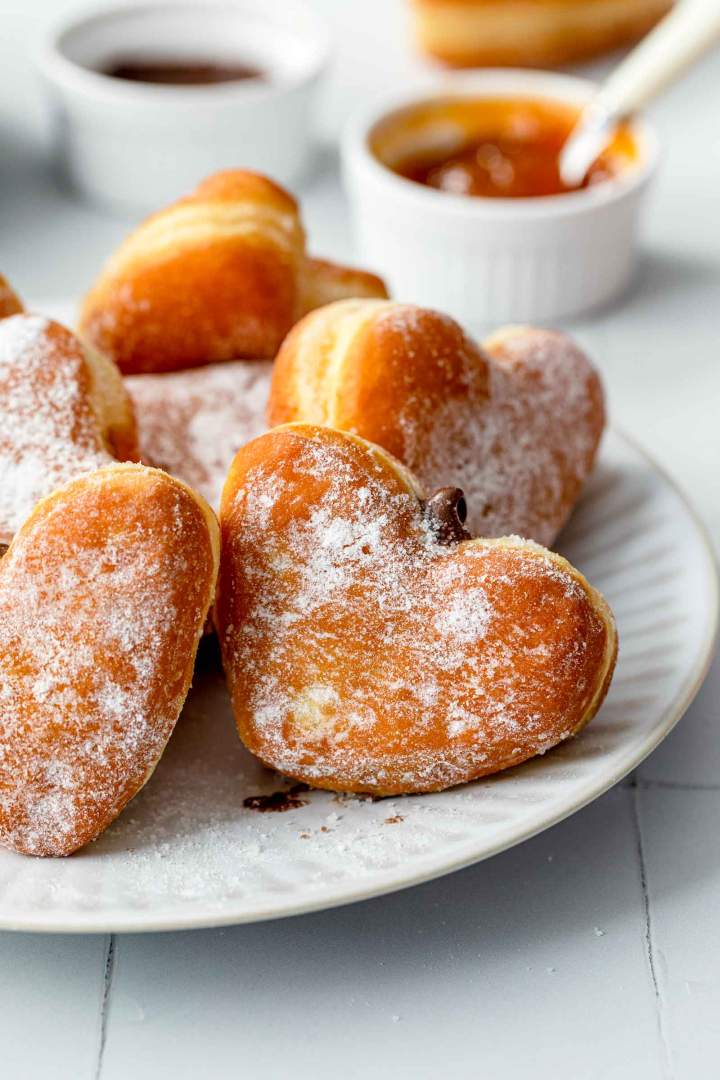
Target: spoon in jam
(690, 30)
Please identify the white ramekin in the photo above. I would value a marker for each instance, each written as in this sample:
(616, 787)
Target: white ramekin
(140, 145)
(487, 261)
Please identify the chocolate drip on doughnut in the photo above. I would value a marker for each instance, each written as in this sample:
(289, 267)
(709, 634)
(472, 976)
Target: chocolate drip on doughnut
(446, 512)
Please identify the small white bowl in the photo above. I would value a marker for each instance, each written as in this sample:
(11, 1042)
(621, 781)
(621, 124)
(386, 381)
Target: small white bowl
(485, 260)
(139, 144)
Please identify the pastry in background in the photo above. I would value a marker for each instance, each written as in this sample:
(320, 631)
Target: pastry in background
(371, 646)
(10, 303)
(63, 410)
(530, 33)
(191, 423)
(325, 282)
(515, 423)
(103, 596)
(220, 275)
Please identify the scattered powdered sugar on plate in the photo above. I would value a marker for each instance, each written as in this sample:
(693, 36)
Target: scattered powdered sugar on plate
(191, 423)
(188, 837)
(48, 432)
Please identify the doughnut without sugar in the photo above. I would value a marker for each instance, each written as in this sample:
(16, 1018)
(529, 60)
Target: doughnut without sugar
(220, 275)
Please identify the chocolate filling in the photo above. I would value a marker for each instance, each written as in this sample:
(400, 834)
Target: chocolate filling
(446, 511)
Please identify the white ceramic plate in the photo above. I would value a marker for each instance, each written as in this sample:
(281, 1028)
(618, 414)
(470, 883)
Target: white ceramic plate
(187, 853)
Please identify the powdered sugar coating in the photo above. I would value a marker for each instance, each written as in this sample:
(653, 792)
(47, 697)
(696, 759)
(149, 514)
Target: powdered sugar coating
(48, 431)
(520, 439)
(103, 595)
(515, 424)
(363, 656)
(191, 423)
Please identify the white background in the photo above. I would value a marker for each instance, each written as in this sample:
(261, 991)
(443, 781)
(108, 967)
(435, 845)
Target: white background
(589, 952)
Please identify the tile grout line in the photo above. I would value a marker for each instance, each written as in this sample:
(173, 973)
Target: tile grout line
(673, 785)
(108, 973)
(648, 936)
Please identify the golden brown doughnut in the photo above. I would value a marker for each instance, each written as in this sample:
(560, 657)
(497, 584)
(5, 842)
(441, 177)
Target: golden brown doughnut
(63, 410)
(9, 301)
(324, 282)
(191, 423)
(220, 275)
(530, 33)
(103, 596)
(515, 424)
(370, 647)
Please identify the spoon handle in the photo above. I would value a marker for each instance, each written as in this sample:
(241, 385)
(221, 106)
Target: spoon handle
(691, 29)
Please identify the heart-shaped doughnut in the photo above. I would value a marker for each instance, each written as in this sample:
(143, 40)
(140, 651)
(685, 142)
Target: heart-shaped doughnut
(192, 423)
(9, 301)
(370, 646)
(103, 595)
(515, 424)
(63, 410)
(220, 275)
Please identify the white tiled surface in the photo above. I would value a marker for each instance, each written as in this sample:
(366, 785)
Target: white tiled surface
(681, 847)
(497, 964)
(590, 952)
(51, 992)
